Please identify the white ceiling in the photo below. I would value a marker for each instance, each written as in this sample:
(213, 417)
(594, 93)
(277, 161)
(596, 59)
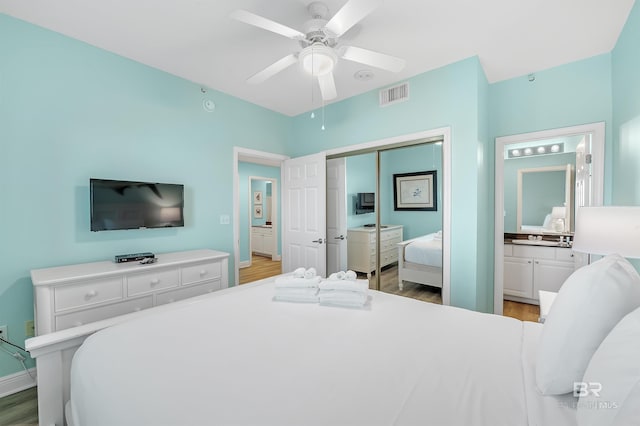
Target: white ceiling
(196, 39)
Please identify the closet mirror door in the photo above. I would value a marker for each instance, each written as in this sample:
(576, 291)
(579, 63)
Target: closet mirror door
(410, 232)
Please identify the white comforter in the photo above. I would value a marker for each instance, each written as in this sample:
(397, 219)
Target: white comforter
(239, 358)
(425, 250)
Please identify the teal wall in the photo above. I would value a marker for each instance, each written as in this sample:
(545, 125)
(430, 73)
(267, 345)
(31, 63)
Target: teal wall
(245, 170)
(568, 95)
(511, 167)
(626, 113)
(70, 111)
(260, 185)
(450, 96)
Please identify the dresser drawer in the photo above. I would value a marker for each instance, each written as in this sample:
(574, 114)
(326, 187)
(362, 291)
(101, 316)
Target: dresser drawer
(197, 273)
(394, 234)
(87, 294)
(152, 281)
(187, 292)
(76, 319)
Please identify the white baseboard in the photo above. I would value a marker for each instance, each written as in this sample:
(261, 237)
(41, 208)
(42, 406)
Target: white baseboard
(244, 264)
(17, 382)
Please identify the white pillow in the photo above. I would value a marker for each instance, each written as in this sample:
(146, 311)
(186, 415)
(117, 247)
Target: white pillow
(614, 373)
(589, 304)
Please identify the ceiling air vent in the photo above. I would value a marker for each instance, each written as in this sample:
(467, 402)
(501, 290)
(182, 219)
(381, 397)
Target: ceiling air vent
(395, 94)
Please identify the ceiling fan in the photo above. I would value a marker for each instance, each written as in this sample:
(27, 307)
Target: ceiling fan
(319, 42)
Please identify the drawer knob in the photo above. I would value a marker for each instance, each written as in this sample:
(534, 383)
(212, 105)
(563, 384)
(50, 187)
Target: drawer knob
(91, 294)
(155, 281)
(203, 272)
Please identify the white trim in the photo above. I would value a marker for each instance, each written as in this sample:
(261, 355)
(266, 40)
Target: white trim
(250, 156)
(244, 264)
(597, 151)
(17, 382)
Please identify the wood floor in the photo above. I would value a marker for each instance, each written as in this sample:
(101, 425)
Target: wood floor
(19, 409)
(261, 267)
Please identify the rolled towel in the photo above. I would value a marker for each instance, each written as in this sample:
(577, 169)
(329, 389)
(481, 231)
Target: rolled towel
(358, 286)
(292, 282)
(310, 273)
(299, 273)
(350, 275)
(333, 277)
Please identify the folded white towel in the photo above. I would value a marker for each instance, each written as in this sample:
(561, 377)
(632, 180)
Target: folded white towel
(289, 281)
(299, 273)
(359, 286)
(307, 291)
(300, 298)
(342, 298)
(310, 273)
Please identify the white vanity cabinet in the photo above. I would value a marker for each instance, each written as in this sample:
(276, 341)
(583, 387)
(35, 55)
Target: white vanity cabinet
(528, 269)
(262, 240)
(73, 295)
(361, 247)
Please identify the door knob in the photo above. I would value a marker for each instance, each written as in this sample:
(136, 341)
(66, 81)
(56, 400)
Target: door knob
(319, 241)
(341, 237)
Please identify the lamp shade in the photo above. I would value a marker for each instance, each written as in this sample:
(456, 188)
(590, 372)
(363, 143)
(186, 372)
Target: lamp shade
(608, 229)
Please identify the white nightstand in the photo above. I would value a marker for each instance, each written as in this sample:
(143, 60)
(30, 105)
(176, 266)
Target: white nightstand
(546, 300)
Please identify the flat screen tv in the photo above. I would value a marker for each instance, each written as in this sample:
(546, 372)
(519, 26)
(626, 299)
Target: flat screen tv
(117, 204)
(365, 202)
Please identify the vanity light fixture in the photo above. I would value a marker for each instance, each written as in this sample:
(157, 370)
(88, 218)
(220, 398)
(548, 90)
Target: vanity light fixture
(536, 150)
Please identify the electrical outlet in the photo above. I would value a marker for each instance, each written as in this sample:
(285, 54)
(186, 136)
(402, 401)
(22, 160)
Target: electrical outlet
(3, 332)
(29, 329)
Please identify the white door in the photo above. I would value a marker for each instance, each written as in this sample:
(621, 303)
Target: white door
(304, 213)
(336, 215)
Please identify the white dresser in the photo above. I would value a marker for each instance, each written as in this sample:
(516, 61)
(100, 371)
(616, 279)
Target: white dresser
(529, 269)
(69, 296)
(361, 247)
(262, 240)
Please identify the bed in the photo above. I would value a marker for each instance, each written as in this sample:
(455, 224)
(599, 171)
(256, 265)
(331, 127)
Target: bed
(420, 260)
(238, 357)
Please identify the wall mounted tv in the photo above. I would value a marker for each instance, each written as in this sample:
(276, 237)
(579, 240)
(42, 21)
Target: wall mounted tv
(117, 204)
(365, 202)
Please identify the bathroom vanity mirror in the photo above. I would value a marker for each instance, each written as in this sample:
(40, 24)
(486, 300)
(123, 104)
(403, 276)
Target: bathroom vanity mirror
(540, 185)
(545, 200)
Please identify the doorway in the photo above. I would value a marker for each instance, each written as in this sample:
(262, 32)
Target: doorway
(257, 178)
(580, 150)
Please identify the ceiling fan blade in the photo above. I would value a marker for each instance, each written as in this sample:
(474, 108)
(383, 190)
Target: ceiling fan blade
(266, 24)
(350, 14)
(375, 59)
(327, 86)
(273, 69)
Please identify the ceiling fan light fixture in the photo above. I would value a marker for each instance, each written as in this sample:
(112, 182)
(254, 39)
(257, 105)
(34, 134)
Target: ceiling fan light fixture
(318, 59)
